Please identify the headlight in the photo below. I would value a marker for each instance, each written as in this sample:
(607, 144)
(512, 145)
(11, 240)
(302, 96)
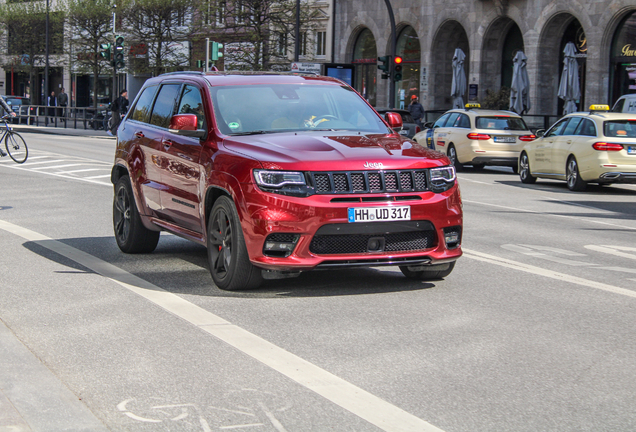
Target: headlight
(442, 179)
(283, 182)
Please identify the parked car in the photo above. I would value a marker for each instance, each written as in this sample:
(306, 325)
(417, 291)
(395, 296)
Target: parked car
(18, 104)
(584, 147)
(625, 104)
(477, 137)
(409, 127)
(278, 174)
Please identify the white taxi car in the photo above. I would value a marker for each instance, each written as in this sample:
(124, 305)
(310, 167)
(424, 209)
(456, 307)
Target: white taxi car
(478, 137)
(584, 147)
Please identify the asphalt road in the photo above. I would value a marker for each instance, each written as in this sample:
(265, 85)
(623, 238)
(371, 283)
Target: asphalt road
(533, 331)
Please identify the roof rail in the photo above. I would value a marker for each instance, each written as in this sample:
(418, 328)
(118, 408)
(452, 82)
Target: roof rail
(183, 72)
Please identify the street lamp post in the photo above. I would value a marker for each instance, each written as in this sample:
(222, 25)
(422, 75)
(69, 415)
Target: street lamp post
(297, 34)
(46, 57)
(114, 95)
(393, 49)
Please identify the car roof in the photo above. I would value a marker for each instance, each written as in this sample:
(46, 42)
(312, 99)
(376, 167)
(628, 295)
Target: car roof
(604, 115)
(252, 77)
(485, 112)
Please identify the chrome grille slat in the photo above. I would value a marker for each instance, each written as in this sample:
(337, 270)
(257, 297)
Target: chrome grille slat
(381, 181)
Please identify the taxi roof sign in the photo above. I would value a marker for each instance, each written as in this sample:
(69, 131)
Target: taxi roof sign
(472, 105)
(599, 108)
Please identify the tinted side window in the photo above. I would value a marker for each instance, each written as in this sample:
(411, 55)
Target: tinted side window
(164, 105)
(441, 121)
(557, 128)
(463, 121)
(586, 127)
(451, 120)
(141, 111)
(571, 127)
(191, 103)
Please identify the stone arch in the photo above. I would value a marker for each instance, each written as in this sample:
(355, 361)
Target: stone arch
(449, 36)
(550, 62)
(495, 41)
(364, 57)
(614, 61)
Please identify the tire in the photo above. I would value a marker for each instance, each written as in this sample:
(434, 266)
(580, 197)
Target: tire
(130, 233)
(479, 167)
(16, 147)
(452, 155)
(436, 272)
(524, 170)
(572, 176)
(229, 261)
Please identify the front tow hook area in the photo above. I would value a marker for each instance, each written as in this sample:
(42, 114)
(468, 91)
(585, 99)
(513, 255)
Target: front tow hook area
(276, 274)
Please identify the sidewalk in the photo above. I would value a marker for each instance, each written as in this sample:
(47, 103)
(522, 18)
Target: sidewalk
(61, 131)
(32, 398)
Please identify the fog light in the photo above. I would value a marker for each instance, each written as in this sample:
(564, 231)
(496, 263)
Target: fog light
(452, 236)
(280, 245)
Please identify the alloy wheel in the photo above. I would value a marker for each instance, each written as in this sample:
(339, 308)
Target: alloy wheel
(122, 214)
(221, 244)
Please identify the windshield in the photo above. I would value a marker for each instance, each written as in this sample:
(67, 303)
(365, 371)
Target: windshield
(620, 128)
(501, 123)
(251, 109)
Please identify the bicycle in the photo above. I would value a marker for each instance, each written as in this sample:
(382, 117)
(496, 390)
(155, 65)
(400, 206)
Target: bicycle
(13, 141)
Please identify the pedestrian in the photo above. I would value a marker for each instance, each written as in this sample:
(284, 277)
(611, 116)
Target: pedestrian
(119, 108)
(62, 101)
(10, 112)
(51, 101)
(417, 110)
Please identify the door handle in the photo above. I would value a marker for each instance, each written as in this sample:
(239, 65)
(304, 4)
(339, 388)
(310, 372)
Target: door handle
(139, 134)
(569, 141)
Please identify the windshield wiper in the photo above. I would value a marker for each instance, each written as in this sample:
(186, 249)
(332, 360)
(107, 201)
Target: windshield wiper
(256, 132)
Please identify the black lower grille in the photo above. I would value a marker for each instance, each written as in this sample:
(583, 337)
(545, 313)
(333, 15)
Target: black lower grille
(339, 182)
(359, 243)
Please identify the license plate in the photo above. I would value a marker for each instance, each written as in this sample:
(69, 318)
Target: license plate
(404, 132)
(499, 139)
(631, 149)
(379, 214)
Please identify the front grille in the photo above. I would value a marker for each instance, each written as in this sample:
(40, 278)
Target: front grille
(358, 243)
(369, 181)
(282, 237)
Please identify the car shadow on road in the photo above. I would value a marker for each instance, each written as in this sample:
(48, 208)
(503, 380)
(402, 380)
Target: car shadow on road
(180, 267)
(557, 186)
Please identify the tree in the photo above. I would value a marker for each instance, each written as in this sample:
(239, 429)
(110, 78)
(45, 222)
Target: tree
(165, 27)
(258, 34)
(24, 25)
(91, 24)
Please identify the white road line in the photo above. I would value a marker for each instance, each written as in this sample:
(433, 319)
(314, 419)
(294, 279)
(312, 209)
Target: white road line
(57, 167)
(549, 214)
(365, 405)
(491, 259)
(44, 162)
(614, 250)
(96, 177)
(82, 170)
(86, 179)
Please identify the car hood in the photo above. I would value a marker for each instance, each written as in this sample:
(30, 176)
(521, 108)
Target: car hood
(335, 151)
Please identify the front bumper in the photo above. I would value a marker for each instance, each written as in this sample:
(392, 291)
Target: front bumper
(320, 224)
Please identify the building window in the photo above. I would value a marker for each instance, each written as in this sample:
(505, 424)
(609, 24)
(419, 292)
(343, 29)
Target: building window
(321, 43)
(302, 44)
(220, 13)
(282, 44)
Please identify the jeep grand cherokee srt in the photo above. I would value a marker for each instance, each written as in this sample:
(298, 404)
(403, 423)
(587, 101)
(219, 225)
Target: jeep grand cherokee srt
(279, 174)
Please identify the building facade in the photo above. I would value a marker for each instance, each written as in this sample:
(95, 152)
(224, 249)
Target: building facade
(490, 32)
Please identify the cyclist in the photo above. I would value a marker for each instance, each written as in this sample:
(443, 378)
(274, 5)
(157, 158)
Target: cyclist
(9, 111)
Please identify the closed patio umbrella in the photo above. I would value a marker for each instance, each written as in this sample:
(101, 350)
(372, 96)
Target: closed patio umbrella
(520, 87)
(569, 88)
(458, 88)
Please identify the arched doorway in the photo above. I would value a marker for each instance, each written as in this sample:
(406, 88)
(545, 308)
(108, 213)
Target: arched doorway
(365, 57)
(450, 36)
(560, 30)
(408, 47)
(498, 52)
(623, 59)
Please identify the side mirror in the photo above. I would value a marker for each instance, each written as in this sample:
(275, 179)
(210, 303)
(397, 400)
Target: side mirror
(539, 133)
(186, 125)
(428, 125)
(394, 120)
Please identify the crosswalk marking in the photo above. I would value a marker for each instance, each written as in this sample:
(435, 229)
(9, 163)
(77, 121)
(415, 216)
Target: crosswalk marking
(56, 166)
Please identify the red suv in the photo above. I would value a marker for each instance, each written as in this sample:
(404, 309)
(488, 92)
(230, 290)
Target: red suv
(278, 174)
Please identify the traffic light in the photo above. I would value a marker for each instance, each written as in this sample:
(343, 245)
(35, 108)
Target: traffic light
(104, 53)
(397, 69)
(216, 51)
(119, 57)
(386, 64)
